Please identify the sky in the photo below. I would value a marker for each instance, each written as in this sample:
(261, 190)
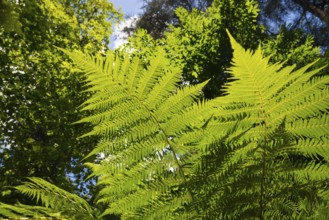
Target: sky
(130, 9)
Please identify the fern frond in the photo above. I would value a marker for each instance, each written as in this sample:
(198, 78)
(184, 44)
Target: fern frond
(310, 127)
(55, 198)
(149, 129)
(281, 118)
(19, 211)
(258, 150)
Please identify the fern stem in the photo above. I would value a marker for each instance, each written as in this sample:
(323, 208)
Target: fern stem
(170, 143)
(172, 148)
(262, 184)
(262, 189)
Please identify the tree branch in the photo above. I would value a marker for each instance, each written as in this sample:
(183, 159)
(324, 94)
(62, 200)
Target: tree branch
(321, 14)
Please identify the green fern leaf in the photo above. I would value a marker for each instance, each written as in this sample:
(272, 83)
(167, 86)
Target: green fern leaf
(281, 118)
(56, 199)
(149, 128)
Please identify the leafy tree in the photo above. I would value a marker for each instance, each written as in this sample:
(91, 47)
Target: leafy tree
(159, 14)
(39, 95)
(291, 46)
(8, 17)
(199, 44)
(228, 158)
(317, 8)
(310, 16)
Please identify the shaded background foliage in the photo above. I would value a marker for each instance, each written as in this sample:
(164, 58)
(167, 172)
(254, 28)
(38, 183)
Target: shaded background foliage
(197, 40)
(40, 93)
(159, 14)
(8, 17)
(311, 16)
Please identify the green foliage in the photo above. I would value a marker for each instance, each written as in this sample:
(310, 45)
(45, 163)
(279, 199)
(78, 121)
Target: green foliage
(292, 47)
(278, 154)
(199, 44)
(61, 201)
(56, 203)
(8, 17)
(19, 211)
(157, 15)
(309, 17)
(150, 129)
(39, 94)
(259, 152)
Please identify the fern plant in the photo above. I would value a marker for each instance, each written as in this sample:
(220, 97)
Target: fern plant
(277, 157)
(260, 152)
(150, 129)
(55, 203)
(19, 210)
